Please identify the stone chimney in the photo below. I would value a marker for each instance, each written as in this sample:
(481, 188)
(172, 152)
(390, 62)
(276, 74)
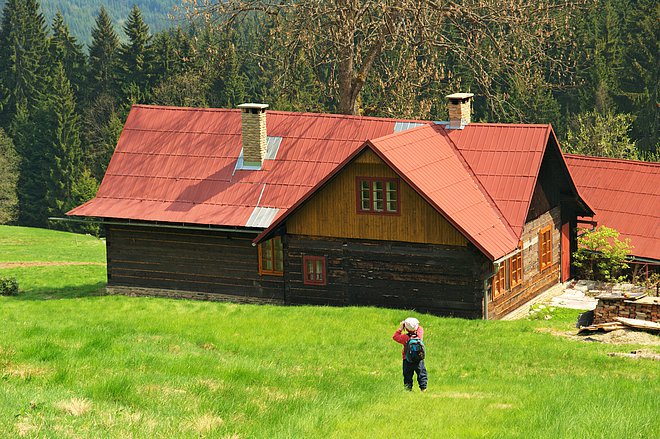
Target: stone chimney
(253, 128)
(459, 110)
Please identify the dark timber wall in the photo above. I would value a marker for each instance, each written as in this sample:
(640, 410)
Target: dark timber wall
(438, 279)
(204, 262)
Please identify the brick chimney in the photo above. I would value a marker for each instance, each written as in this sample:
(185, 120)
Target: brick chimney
(253, 129)
(459, 110)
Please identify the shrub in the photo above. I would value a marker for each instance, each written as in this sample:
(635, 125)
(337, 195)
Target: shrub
(601, 255)
(8, 286)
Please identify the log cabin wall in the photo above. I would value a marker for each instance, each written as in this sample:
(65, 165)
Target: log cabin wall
(534, 281)
(332, 212)
(209, 265)
(438, 279)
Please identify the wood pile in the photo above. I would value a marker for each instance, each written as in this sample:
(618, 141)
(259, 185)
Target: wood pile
(622, 323)
(625, 305)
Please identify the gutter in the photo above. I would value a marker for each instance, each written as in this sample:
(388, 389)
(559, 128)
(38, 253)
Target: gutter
(157, 224)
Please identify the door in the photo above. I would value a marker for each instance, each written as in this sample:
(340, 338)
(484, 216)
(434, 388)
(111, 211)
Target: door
(565, 252)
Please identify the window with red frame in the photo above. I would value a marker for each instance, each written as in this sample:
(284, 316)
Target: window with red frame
(499, 281)
(378, 195)
(271, 260)
(515, 268)
(545, 248)
(314, 270)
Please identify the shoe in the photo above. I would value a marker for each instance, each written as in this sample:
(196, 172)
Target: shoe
(423, 390)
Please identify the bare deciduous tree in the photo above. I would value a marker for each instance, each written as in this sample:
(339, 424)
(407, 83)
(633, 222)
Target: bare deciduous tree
(492, 39)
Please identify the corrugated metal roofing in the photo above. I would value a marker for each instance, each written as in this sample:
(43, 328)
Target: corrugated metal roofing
(625, 195)
(506, 158)
(180, 164)
(429, 162)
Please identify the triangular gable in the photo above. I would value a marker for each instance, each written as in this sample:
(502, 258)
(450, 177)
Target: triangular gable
(426, 161)
(507, 158)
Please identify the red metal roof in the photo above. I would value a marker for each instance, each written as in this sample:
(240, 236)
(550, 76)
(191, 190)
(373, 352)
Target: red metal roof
(625, 195)
(179, 164)
(429, 163)
(506, 158)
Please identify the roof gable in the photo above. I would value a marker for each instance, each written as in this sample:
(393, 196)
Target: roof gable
(506, 158)
(429, 163)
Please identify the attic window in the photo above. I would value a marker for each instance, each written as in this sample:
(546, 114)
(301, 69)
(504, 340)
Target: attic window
(377, 195)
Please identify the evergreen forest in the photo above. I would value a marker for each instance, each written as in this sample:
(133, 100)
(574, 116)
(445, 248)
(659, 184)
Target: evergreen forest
(591, 70)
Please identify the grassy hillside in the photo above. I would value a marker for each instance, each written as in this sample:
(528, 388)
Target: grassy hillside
(83, 365)
(80, 14)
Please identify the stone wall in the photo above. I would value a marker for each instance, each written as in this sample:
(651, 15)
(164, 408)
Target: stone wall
(534, 281)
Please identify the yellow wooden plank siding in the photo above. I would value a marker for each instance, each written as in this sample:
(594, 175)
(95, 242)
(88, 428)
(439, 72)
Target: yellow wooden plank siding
(332, 211)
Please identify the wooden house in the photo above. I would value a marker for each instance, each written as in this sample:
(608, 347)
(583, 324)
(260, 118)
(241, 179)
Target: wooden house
(452, 218)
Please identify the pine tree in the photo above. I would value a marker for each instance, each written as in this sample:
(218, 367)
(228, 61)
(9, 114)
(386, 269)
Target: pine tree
(641, 81)
(65, 49)
(48, 142)
(228, 88)
(8, 179)
(103, 56)
(63, 145)
(135, 57)
(22, 49)
(29, 140)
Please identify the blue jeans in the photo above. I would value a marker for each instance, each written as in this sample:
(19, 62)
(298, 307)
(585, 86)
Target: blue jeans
(409, 369)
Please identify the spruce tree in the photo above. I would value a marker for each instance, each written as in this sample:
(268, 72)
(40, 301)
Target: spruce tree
(641, 82)
(8, 179)
(48, 141)
(228, 88)
(22, 56)
(29, 138)
(103, 56)
(65, 49)
(135, 57)
(63, 144)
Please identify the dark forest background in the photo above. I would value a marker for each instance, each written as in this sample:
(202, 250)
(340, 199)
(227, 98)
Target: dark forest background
(63, 103)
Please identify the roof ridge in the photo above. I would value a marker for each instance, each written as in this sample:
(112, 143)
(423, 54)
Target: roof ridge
(612, 159)
(284, 112)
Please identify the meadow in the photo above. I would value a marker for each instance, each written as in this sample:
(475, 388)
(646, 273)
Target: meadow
(77, 363)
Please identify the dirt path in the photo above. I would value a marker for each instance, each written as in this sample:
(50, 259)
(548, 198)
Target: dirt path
(44, 264)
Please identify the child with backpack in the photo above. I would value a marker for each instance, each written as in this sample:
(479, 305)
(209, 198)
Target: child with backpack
(413, 352)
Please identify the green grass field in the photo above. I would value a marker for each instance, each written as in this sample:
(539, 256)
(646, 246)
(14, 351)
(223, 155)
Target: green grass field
(75, 363)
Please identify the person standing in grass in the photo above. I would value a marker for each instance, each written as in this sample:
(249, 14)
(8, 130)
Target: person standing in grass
(413, 354)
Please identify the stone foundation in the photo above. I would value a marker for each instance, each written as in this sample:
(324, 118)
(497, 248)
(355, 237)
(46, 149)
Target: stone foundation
(611, 307)
(194, 295)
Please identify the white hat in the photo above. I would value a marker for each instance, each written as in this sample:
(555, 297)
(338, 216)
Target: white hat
(411, 324)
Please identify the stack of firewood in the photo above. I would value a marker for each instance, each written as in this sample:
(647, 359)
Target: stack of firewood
(622, 323)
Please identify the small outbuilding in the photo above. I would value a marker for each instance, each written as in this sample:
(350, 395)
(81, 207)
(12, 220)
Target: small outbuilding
(452, 218)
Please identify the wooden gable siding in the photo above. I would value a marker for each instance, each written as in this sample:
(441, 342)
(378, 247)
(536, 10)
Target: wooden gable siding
(215, 265)
(332, 211)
